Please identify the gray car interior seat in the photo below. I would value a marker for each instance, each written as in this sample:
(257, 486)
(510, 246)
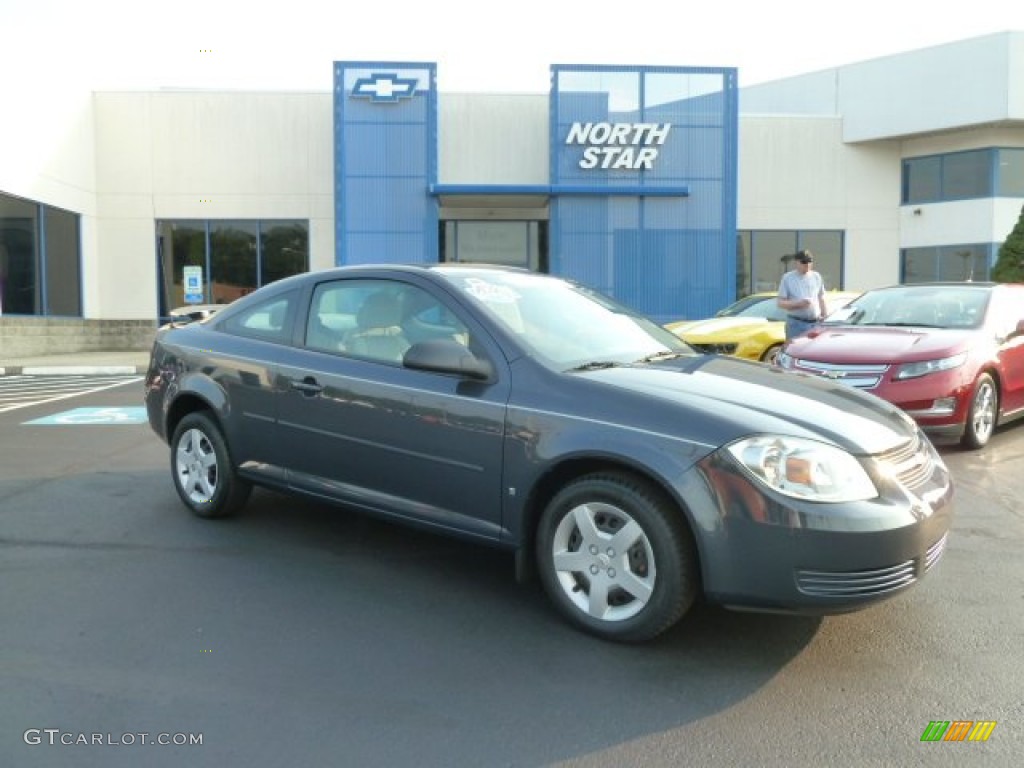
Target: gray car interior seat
(378, 333)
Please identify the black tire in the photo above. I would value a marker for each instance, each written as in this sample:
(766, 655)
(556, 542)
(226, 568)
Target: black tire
(771, 353)
(203, 472)
(982, 414)
(640, 590)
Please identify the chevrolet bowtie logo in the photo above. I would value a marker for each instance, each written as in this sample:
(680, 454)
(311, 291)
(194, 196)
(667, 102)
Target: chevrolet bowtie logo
(384, 87)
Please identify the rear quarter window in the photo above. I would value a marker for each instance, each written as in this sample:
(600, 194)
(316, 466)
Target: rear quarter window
(269, 320)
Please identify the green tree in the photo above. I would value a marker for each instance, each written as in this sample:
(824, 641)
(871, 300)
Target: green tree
(1009, 266)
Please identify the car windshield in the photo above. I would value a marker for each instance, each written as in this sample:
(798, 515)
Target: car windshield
(755, 306)
(566, 324)
(920, 306)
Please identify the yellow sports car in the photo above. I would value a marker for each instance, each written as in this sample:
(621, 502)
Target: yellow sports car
(753, 327)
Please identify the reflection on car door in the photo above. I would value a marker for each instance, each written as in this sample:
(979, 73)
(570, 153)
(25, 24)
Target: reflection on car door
(1008, 309)
(360, 428)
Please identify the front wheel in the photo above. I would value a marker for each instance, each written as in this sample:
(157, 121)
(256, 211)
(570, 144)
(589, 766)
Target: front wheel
(771, 354)
(203, 473)
(616, 557)
(982, 415)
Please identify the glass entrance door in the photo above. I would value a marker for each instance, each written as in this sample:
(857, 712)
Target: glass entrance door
(509, 243)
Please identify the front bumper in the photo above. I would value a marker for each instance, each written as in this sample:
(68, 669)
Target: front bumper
(764, 551)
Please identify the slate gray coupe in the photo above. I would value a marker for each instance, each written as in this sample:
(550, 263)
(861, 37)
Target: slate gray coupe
(631, 473)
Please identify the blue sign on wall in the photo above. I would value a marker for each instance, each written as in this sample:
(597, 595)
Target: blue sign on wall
(642, 188)
(385, 160)
(644, 171)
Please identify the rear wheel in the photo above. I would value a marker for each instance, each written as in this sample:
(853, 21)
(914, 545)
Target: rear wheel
(982, 415)
(616, 557)
(203, 472)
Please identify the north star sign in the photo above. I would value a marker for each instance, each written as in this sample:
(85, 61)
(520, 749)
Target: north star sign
(618, 146)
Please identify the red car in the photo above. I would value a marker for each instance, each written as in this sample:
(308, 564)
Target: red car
(949, 354)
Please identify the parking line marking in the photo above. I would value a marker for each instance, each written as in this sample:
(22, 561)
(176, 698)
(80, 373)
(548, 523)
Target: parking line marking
(55, 398)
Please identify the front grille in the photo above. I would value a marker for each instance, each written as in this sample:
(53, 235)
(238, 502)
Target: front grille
(911, 465)
(856, 583)
(871, 583)
(715, 349)
(860, 376)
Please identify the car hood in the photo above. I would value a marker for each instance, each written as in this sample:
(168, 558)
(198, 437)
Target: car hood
(720, 326)
(858, 344)
(732, 398)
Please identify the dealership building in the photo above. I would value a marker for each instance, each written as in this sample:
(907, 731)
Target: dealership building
(669, 188)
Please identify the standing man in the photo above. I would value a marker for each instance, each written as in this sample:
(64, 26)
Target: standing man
(802, 295)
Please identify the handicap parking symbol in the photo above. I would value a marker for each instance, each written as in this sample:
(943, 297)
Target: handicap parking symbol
(92, 416)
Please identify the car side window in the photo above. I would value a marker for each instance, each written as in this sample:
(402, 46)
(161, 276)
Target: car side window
(1007, 310)
(269, 320)
(377, 319)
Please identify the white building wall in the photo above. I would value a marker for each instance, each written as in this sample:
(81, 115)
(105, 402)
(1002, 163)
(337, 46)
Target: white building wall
(796, 173)
(971, 82)
(949, 86)
(203, 155)
(46, 143)
(816, 93)
(959, 141)
(493, 139)
(969, 221)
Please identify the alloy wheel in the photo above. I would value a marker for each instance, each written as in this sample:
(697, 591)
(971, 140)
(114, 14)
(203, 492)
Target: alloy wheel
(604, 562)
(196, 464)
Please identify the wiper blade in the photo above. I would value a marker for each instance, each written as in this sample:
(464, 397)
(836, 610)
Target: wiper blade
(594, 365)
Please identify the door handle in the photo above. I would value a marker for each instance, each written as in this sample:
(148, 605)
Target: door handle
(308, 386)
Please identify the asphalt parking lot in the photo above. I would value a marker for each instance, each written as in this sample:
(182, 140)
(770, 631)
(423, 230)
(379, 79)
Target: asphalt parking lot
(300, 634)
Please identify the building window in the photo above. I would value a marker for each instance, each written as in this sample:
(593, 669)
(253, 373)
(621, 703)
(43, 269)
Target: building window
(969, 175)
(1010, 173)
(743, 280)
(510, 243)
(40, 259)
(947, 262)
(63, 263)
(764, 256)
(922, 180)
(236, 257)
(284, 249)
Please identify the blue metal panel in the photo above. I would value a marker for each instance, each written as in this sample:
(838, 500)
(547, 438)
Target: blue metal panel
(642, 135)
(385, 150)
(558, 189)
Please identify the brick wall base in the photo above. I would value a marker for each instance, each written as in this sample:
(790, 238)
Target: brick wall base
(35, 336)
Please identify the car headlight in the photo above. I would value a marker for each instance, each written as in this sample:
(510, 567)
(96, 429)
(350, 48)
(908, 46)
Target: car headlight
(805, 469)
(913, 370)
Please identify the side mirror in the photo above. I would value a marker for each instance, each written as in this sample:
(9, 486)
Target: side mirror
(446, 356)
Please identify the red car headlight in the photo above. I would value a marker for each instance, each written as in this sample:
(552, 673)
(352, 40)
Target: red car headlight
(923, 368)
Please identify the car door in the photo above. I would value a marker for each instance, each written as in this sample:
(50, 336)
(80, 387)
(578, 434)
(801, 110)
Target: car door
(360, 428)
(1008, 314)
(243, 366)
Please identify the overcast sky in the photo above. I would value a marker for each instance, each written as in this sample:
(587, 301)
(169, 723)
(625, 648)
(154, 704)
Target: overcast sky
(498, 47)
